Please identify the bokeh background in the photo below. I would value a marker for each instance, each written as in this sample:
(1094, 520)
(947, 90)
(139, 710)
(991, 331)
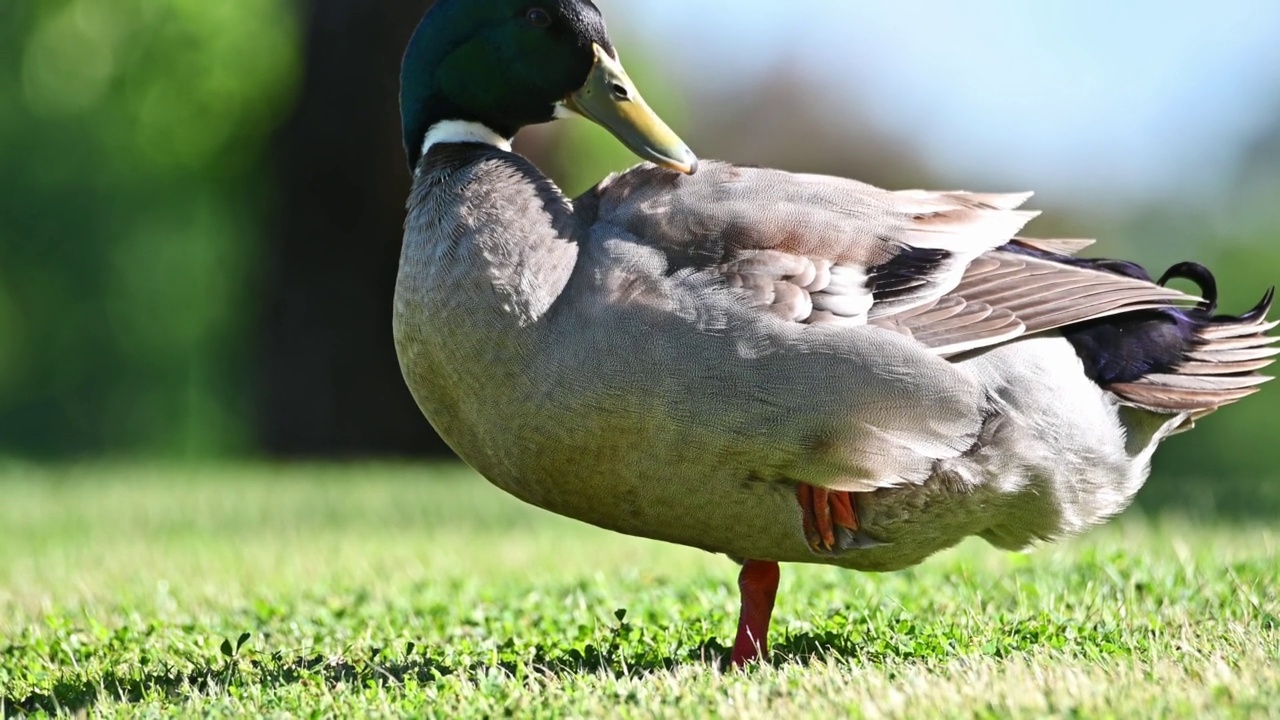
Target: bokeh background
(200, 202)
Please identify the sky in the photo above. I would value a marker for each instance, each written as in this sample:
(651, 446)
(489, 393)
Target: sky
(1120, 98)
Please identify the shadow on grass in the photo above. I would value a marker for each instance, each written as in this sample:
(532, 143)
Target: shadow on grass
(422, 665)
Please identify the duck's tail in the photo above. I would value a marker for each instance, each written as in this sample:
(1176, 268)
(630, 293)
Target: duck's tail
(1219, 356)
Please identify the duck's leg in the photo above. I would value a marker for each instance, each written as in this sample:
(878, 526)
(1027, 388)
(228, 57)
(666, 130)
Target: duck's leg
(758, 585)
(823, 511)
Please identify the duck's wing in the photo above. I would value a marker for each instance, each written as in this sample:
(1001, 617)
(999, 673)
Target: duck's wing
(945, 268)
(878, 285)
(810, 248)
(1031, 294)
(671, 259)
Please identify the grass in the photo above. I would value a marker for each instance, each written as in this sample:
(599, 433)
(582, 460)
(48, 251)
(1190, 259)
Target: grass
(421, 591)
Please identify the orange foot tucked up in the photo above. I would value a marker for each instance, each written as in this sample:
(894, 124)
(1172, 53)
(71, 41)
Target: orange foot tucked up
(823, 511)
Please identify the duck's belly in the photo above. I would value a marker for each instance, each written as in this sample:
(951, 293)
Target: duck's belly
(1013, 492)
(661, 496)
(755, 519)
(649, 480)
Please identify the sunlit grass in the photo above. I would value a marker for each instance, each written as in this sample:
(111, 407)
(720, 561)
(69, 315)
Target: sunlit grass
(421, 590)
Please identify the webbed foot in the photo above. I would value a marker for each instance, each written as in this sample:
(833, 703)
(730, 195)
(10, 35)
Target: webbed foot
(830, 520)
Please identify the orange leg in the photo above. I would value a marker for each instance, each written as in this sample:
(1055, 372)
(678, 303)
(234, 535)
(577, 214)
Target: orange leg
(822, 512)
(758, 585)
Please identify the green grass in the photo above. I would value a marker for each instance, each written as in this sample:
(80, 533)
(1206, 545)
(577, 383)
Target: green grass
(423, 591)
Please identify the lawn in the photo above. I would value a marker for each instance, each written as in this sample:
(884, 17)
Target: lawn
(421, 590)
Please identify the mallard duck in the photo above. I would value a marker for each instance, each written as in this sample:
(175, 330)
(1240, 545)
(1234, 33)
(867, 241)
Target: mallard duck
(778, 367)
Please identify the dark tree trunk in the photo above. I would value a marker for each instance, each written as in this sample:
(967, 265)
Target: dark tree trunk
(329, 381)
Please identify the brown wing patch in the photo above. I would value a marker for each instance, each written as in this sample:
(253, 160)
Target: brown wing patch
(1045, 295)
(1004, 295)
(951, 325)
(885, 251)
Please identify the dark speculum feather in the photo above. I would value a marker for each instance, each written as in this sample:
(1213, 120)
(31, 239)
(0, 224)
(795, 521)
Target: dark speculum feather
(907, 270)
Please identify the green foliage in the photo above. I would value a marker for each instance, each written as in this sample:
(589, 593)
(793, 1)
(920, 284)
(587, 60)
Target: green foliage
(132, 135)
(411, 591)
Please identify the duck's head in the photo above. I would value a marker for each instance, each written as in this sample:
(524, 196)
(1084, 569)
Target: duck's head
(483, 69)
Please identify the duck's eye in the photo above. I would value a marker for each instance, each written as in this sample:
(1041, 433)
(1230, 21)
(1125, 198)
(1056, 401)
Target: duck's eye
(538, 18)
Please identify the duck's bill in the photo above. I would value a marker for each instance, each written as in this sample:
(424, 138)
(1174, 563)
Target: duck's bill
(610, 99)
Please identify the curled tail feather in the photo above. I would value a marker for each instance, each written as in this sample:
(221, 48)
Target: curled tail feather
(1221, 361)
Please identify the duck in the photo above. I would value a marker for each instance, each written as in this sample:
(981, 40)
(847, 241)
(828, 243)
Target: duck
(773, 366)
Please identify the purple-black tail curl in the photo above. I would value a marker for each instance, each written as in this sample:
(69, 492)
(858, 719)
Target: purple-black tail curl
(1178, 359)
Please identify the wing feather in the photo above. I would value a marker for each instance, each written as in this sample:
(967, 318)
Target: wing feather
(859, 252)
(939, 267)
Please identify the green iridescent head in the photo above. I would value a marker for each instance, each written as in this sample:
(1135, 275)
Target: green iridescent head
(506, 64)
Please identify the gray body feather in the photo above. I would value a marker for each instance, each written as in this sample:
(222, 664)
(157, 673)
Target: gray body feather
(668, 356)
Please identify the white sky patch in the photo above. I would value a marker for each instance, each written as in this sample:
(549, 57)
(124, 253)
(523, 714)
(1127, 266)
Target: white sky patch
(1090, 98)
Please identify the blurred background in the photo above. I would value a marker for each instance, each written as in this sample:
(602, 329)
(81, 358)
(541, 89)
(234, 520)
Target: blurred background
(201, 202)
